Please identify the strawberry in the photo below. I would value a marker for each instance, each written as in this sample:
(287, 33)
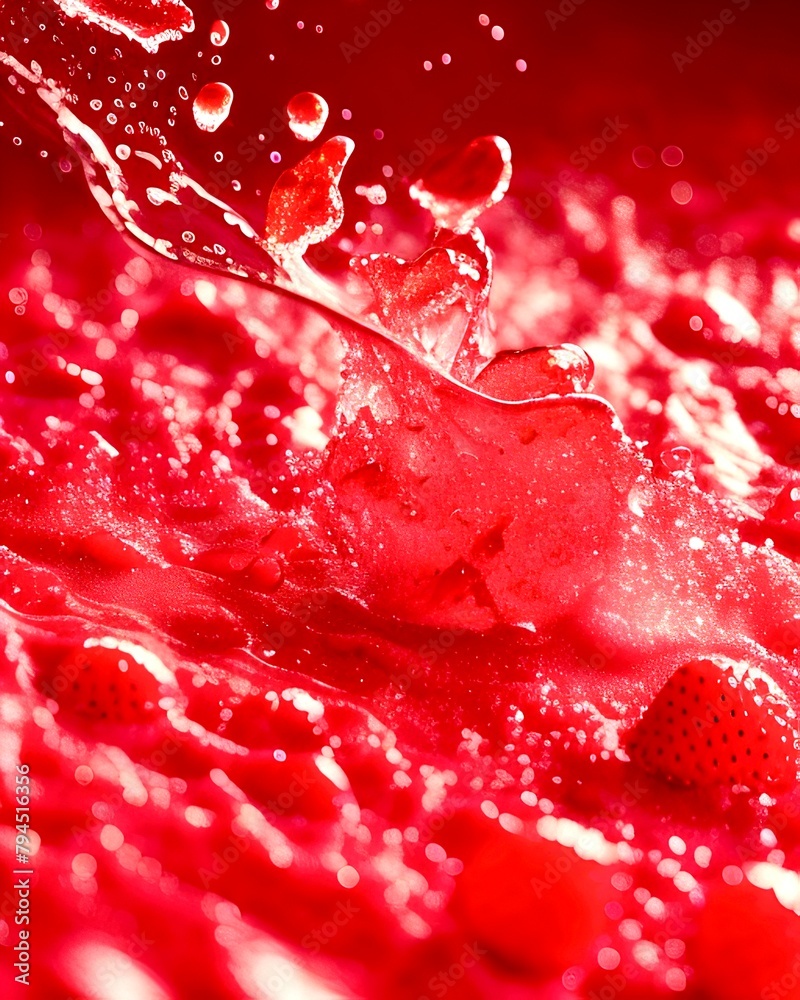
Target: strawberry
(101, 685)
(718, 722)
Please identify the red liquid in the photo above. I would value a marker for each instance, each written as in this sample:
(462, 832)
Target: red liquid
(357, 719)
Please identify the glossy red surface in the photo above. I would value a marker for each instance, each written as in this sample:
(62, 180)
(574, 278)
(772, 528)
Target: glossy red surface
(328, 668)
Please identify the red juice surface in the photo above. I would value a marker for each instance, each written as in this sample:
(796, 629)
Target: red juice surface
(440, 638)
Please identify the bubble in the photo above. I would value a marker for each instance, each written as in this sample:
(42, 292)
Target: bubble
(696, 323)
(279, 755)
(348, 877)
(18, 296)
(272, 4)
(307, 113)
(83, 774)
(111, 837)
(446, 58)
(497, 33)
(521, 65)
(643, 156)
(216, 60)
(483, 19)
(188, 236)
(123, 151)
(84, 865)
(672, 156)
(183, 93)
(95, 104)
(608, 958)
(675, 979)
(427, 65)
(275, 156)
(682, 192)
(212, 106)
(220, 33)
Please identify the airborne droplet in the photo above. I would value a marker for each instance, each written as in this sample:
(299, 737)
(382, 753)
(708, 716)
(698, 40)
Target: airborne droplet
(220, 33)
(212, 106)
(462, 184)
(307, 115)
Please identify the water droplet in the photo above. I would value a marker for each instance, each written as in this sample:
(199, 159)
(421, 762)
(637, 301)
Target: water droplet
(307, 114)
(498, 34)
(643, 156)
(220, 33)
(83, 774)
(212, 106)
(461, 185)
(18, 296)
(682, 192)
(123, 151)
(672, 156)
